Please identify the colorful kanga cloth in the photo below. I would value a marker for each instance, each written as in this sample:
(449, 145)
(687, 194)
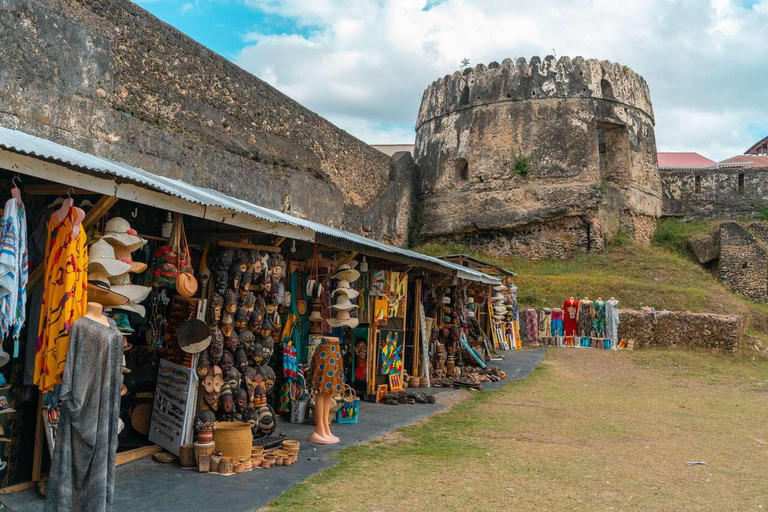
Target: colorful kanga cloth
(585, 318)
(570, 320)
(532, 325)
(325, 375)
(65, 277)
(14, 271)
(598, 322)
(391, 362)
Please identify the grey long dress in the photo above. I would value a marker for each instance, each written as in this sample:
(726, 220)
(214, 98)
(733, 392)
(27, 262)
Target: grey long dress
(82, 473)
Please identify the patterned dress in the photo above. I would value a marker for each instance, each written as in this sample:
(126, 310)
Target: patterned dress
(64, 298)
(586, 311)
(326, 367)
(598, 322)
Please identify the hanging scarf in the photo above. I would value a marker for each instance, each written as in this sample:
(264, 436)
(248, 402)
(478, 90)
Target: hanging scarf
(14, 271)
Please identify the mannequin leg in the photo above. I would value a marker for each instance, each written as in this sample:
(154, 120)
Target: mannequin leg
(318, 436)
(326, 421)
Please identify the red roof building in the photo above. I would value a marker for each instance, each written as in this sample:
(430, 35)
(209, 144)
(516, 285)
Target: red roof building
(745, 161)
(683, 161)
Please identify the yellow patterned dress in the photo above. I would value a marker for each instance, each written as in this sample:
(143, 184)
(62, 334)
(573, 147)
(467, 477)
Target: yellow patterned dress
(65, 278)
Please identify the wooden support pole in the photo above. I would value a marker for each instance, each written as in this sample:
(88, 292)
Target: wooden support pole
(434, 287)
(279, 241)
(54, 189)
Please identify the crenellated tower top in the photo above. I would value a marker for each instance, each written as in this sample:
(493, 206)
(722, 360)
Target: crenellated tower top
(535, 79)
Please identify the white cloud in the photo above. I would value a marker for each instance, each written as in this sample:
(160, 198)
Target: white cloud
(365, 63)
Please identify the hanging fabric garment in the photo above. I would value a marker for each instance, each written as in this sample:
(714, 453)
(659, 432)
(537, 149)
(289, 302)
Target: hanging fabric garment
(545, 323)
(557, 322)
(532, 325)
(82, 473)
(65, 278)
(14, 271)
(598, 321)
(612, 320)
(570, 321)
(585, 318)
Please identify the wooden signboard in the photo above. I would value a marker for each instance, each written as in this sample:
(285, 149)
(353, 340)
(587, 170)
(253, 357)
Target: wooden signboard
(174, 407)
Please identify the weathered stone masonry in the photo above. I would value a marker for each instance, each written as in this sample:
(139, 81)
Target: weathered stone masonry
(743, 261)
(107, 77)
(586, 128)
(724, 193)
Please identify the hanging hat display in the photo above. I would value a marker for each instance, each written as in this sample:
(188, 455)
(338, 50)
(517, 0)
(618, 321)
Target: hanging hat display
(343, 319)
(343, 303)
(346, 273)
(498, 296)
(470, 300)
(446, 300)
(4, 356)
(343, 287)
(99, 290)
(499, 287)
(315, 316)
(122, 284)
(101, 257)
(123, 254)
(118, 231)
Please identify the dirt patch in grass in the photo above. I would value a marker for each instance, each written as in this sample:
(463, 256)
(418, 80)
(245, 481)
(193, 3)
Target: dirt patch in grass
(587, 430)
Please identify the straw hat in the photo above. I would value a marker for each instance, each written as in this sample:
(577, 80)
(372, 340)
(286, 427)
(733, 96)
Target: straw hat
(470, 314)
(346, 273)
(343, 320)
(141, 418)
(343, 303)
(118, 231)
(101, 256)
(499, 287)
(123, 254)
(470, 300)
(343, 287)
(446, 300)
(315, 316)
(498, 296)
(193, 336)
(134, 308)
(122, 284)
(100, 292)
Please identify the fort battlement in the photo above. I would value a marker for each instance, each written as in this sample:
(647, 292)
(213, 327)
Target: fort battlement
(535, 79)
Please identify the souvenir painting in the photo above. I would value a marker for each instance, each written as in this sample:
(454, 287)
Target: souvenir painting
(379, 283)
(381, 392)
(397, 289)
(381, 311)
(391, 361)
(395, 382)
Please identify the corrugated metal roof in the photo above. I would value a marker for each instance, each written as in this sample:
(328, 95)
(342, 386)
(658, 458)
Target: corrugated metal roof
(689, 160)
(42, 149)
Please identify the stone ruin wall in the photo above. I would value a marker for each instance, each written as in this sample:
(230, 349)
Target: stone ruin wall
(682, 329)
(743, 261)
(718, 195)
(550, 111)
(108, 78)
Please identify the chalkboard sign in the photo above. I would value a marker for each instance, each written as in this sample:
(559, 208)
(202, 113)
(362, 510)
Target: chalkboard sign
(174, 407)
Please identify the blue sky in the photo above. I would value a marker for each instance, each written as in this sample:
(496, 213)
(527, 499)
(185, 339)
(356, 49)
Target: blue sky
(364, 64)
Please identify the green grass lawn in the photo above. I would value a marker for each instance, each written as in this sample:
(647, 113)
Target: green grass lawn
(587, 430)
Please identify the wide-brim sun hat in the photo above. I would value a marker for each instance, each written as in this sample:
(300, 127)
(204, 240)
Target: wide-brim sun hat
(134, 293)
(346, 273)
(315, 316)
(343, 303)
(344, 288)
(123, 254)
(118, 231)
(498, 296)
(134, 308)
(500, 287)
(446, 300)
(343, 320)
(100, 291)
(101, 257)
(470, 300)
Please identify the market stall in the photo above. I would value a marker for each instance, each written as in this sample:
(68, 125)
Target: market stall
(219, 319)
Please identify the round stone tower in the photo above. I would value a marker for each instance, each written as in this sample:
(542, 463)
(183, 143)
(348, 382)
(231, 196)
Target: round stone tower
(538, 159)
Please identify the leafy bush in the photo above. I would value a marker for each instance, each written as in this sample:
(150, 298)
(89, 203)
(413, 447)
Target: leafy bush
(673, 234)
(522, 166)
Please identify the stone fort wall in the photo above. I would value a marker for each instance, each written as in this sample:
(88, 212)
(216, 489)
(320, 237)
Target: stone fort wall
(726, 193)
(108, 78)
(585, 128)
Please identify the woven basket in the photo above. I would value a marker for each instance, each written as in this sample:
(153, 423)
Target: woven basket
(204, 463)
(233, 439)
(203, 449)
(226, 466)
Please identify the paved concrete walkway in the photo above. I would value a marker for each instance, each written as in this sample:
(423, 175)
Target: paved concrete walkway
(145, 485)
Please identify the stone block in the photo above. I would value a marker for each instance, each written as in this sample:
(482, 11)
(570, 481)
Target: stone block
(704, 248)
